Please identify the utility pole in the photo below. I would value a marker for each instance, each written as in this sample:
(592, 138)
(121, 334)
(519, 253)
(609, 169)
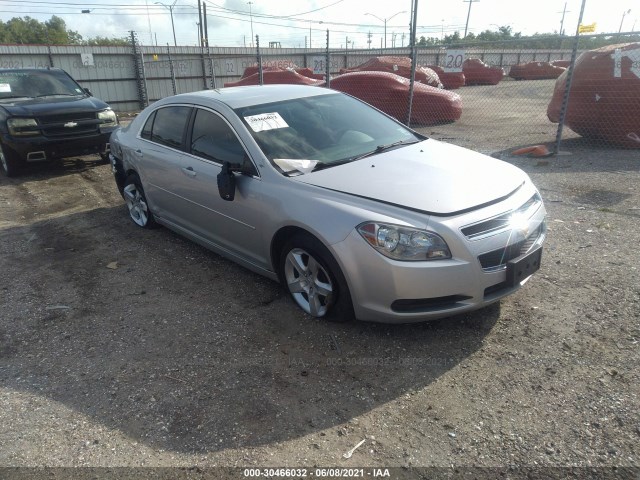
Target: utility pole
(621, 21)
(251, 20)
(206, 29)
(466, 27)
(200, 23)
(403, 35)
(369, 39)
(564, 11)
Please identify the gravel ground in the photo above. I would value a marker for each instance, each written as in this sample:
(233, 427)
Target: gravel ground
(128, 348)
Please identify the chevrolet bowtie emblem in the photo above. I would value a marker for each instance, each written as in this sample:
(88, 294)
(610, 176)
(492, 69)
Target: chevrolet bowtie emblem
(70, 124)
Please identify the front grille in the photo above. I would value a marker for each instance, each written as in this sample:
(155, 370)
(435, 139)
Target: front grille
(502, 221)
(499, 258)
(54, 125)
(66, 117)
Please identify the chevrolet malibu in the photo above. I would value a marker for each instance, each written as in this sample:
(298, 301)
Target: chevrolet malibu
(356, 214)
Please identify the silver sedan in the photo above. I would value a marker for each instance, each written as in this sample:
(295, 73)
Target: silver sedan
(356, 214)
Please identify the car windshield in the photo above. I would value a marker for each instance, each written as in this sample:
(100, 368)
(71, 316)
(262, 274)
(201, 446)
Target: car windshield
(306, 134)
(37, 83)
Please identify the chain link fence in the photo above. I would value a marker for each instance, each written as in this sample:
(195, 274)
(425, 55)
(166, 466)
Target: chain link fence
(489, 96)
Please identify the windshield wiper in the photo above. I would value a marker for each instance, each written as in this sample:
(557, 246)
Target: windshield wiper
(322, 165)
(58, 94)
(382, 148)
(15, 96)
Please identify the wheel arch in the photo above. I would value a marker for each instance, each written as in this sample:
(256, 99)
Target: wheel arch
(277, 243)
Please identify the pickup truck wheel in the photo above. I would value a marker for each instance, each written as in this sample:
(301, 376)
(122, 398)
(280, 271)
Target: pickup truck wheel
(314, 279)
(137, 202)
(9, 163)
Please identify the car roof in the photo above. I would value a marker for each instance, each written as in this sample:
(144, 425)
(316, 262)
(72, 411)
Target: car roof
(238, 97)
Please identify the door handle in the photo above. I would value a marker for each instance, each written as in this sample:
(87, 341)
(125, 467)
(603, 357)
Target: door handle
(189, 171)
(138, 153)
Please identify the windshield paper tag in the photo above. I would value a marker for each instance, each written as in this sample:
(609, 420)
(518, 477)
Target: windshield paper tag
(5, 87)
(290, 164)
(266, 121)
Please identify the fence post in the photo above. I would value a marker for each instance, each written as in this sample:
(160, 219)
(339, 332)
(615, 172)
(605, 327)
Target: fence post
(328, 63)
(204, 68)
(50, 55)
(567, 85)
(414, 55)
(259, 58)
(173, 75)
(138, 63)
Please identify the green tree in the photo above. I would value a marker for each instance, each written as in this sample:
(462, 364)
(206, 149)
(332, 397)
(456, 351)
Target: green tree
(102, 41)
(27, 30)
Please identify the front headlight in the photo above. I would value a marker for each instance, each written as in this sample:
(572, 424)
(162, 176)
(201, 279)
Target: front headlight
(108, 118)
(22, 127)
(403, 243)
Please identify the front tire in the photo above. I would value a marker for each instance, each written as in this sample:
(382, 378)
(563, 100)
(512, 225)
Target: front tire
(137, 204)
(314, 279)
(9, 162)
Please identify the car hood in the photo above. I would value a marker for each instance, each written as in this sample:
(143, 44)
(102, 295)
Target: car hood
(52, 105)
(430, 176)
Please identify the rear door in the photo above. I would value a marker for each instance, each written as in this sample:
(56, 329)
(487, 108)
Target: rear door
(158, 156)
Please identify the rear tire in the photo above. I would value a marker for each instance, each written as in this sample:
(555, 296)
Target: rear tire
(136, 201)
(9, 162)
(314, 279)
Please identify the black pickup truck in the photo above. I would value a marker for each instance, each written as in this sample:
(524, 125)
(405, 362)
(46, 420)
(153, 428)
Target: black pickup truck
(45, 114)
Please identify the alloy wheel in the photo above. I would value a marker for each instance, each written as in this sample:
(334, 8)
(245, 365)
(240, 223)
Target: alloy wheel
(137, 205)
(308, 282)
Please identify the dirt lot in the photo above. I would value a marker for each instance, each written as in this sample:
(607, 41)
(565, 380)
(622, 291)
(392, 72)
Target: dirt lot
(123, 347)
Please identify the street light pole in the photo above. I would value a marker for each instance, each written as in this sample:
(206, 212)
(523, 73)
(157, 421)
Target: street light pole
(564, 12)
(384, 20)
(170, 8)
(466, 27)
(251, 19)
(621, 21)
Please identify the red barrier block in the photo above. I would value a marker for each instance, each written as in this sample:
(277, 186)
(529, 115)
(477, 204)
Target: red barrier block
(390, 93)
(535, 71)
(476, 72)
(604, 102)
(275, 76)
(399, 66)
(450, 80)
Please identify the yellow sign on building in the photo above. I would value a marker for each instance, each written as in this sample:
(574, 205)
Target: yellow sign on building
(587, 28)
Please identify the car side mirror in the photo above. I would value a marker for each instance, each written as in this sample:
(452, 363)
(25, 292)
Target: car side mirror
(227, 182)
(88, 92)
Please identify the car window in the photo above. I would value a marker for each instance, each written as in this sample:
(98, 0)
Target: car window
(331, 129)
(37, 83)
(146, 130)
(169, 126)
(212, 138)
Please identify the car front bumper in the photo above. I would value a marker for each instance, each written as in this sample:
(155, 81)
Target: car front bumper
(40, 148)
(392, 291)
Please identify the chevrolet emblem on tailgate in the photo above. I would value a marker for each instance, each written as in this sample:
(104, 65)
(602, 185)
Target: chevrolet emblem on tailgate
(70, 124)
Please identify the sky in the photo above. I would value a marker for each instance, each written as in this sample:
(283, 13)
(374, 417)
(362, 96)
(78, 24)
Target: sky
(304, 23)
